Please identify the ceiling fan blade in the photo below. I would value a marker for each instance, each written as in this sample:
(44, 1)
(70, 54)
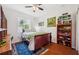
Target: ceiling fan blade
(28, 6)
(40, 8)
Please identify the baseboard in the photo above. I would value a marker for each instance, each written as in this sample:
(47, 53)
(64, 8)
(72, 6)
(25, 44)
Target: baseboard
(73, 48)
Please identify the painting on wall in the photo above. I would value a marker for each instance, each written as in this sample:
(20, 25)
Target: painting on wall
(41, 24)
(51, 22)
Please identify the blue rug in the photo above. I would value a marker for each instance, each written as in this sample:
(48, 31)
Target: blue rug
(22, 49)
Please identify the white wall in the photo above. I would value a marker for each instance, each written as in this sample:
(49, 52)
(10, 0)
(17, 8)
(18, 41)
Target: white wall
(52, 30)
(12, 20)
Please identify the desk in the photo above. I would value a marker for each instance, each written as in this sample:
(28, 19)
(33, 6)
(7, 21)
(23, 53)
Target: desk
(6, 50)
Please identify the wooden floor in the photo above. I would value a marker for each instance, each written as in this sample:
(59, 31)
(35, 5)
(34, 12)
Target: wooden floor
(56, 49)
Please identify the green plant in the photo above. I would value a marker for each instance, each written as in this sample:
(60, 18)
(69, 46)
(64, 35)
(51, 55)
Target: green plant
(2, 43)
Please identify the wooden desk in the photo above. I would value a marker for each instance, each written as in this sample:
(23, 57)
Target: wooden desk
(6, 50)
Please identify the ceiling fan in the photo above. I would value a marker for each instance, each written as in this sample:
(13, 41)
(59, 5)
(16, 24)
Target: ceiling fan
(35, 7)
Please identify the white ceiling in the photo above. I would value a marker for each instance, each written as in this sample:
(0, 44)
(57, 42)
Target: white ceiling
(49, 9)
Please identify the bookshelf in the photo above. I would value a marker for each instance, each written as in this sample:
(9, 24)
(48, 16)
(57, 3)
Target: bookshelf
(64, 30)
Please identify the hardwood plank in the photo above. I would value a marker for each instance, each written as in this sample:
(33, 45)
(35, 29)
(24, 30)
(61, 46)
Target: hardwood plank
(57, 49)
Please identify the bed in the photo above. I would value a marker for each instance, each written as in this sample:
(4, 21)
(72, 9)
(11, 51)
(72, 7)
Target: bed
(36, 39)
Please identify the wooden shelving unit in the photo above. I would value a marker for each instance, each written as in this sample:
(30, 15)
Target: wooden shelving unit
(64, 32)
(3, 24)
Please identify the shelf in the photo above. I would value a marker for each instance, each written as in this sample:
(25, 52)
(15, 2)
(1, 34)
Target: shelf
(64, 25)
(64, 34)
(64, 30)
(64, 42)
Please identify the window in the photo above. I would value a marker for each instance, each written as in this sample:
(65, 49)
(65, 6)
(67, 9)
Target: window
(23, 25)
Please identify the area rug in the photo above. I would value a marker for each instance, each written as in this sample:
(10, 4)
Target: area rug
(22, 49)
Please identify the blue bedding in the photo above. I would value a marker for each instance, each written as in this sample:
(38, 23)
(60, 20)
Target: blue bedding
(22, 49)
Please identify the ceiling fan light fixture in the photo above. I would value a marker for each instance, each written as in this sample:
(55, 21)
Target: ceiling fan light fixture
(35, 7)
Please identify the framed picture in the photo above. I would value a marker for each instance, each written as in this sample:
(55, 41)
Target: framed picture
(41, 24)
(51, 22)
